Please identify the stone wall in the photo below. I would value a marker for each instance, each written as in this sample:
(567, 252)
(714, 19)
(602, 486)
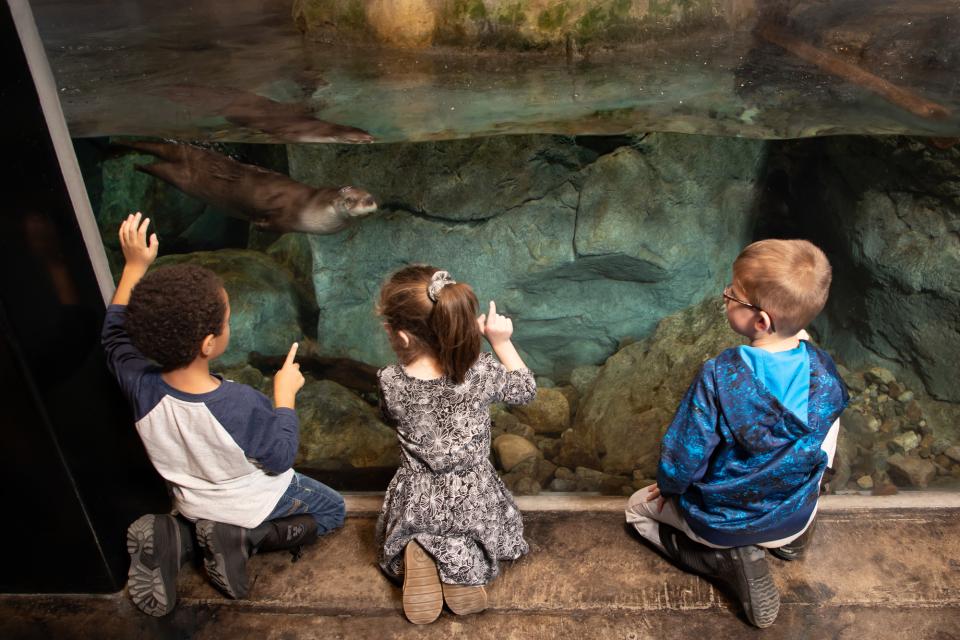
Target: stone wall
(583, 248)
(888, 212)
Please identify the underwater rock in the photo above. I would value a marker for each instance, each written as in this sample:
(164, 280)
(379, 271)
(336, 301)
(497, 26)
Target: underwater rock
(337, 427)
(912, 472)
(574, 452)
(549, 446)
(878, 375)
(886, 210)
(573, 399)
(548, 413)
(582, 377)
(512, 450)
(529, 475)
(502, 418)
(581, 250)
(249, 376)
(356, 376)
(593, 480)
(631, 403)
(262, 295)
(905, 442)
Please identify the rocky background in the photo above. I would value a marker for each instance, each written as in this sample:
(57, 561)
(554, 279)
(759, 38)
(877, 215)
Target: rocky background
(601, 249)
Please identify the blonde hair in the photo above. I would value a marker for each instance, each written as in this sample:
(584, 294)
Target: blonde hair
(445, 329)
(789, 279)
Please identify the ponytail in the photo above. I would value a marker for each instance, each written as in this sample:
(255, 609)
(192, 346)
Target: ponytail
(454, 323)
(442, 323)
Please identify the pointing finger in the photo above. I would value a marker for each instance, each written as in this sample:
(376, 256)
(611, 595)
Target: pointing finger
(292, 354)
(493, 309)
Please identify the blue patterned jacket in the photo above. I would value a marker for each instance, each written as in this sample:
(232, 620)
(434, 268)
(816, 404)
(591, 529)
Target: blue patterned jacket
(745, 469)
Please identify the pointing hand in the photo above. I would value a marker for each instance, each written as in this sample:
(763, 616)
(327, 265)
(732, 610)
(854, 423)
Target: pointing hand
(496, 327)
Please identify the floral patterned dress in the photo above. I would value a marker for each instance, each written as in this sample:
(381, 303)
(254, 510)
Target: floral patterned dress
(446, 494)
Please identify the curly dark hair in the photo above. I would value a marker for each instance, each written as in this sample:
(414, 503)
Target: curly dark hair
(172, 310)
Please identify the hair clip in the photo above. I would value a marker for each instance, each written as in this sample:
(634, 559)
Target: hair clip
(439, 280)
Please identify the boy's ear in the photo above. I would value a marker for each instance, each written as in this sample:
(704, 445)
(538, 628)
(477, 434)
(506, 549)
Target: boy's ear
(206, 347)
(764, 323)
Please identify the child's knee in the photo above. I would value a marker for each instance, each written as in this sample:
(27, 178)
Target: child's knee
(638, 501)
(340, 512)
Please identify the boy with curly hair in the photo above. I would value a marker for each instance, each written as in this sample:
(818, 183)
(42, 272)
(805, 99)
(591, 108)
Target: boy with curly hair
(741, 463)
(224, 449)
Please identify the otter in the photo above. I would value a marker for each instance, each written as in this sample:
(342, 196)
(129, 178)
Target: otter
(284, 121)
(271, 201)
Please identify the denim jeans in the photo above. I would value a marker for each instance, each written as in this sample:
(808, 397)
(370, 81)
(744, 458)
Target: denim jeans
(306, 495)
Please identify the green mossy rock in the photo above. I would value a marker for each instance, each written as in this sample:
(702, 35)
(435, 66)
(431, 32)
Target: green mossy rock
(630, 404)
(337, 428)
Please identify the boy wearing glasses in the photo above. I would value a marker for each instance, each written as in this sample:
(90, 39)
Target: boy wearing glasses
(741, 463)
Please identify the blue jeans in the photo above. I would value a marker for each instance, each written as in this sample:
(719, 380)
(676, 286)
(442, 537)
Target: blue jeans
(306, 495)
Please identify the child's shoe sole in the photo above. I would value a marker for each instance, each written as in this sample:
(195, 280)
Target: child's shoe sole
(463, 600)
(153, 542)
(224, 556)
(422, 593)
(750, 577)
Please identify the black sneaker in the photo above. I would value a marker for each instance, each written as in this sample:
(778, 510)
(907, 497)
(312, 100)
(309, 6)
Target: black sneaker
(226, 549)
(743, 569)
(798, 548)
(158, 545)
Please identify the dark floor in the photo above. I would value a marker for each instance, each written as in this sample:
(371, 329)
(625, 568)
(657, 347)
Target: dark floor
(875, 573)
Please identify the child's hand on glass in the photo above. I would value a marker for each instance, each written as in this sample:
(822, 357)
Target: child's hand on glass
(495, 327)
(137, 251)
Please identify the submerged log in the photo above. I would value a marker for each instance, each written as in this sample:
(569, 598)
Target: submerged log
(839, 67)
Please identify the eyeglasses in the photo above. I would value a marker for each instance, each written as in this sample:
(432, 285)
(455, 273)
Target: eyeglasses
(728, 295)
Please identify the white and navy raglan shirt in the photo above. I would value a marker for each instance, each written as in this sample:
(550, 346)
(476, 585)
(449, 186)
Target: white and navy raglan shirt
(226, 454)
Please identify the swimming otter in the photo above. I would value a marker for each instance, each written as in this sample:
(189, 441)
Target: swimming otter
(270, 200)
(284, 121)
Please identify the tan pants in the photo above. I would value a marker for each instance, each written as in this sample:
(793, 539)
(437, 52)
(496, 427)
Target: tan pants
(646, 519)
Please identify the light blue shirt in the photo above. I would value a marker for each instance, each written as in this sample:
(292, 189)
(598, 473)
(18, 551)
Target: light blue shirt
(786, 374)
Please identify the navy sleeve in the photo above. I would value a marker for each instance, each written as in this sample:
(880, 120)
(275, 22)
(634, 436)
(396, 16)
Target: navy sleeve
(267, 435)
(125, 362)
(691, 437)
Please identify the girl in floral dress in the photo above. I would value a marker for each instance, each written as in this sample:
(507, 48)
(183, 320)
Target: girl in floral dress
(447, 518)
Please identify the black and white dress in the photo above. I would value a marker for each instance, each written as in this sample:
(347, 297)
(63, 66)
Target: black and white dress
(446, 493)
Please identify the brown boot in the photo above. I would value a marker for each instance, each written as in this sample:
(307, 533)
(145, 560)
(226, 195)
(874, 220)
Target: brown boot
(464, 599)
(422, 594)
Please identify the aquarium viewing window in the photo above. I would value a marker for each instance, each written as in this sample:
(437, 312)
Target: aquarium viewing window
(594, 166)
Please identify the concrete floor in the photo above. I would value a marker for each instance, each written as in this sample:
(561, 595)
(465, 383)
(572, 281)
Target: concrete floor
(879, 568)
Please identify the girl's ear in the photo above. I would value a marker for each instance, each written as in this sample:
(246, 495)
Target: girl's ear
(404, 338)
